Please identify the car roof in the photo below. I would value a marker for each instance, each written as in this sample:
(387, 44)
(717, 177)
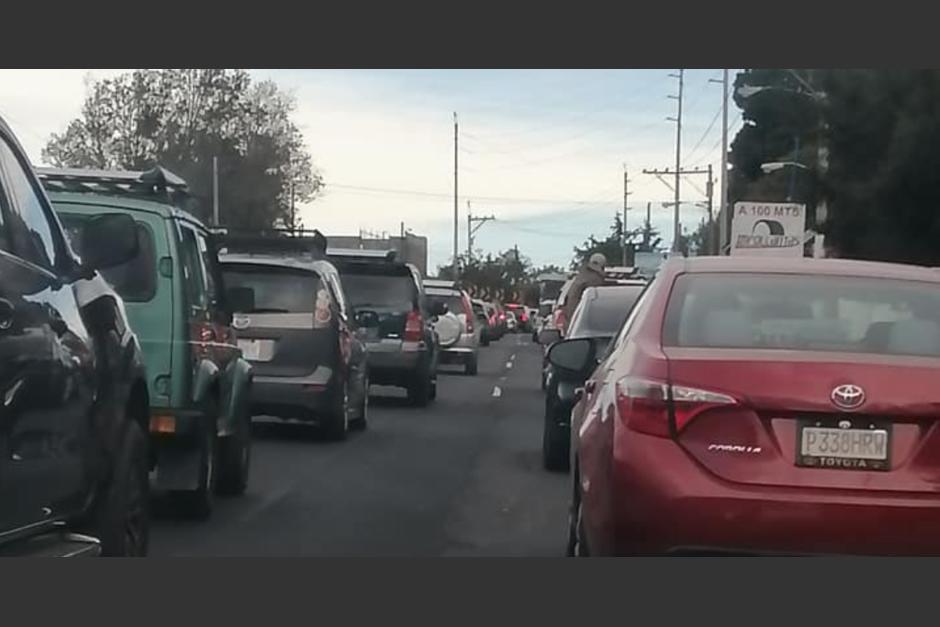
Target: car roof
(89, 201)
(274, 261)
(802, 265)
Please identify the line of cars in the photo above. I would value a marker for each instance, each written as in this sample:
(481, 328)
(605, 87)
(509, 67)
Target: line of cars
(755, 406)
(137, 345)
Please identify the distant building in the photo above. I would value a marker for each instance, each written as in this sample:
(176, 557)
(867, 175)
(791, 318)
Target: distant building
(411, 248)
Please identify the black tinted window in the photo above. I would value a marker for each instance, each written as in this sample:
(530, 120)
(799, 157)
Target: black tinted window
(453, 301)
(604, 311)
(276, 290)
(29, 221)
(136, 280)
(365, 290)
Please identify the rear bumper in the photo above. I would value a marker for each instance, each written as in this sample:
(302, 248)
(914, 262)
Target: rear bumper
(295, 398)
(465, 347)
(396, 367)
(662, 501)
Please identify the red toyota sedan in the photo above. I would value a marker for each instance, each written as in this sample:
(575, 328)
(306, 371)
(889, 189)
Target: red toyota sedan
(762, 406)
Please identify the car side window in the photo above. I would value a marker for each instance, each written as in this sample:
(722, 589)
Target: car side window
(194, 281)
(209, 271)
(29, 225)
(338, 295)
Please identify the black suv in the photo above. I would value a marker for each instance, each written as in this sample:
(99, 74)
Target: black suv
(403, 349)
(74, 460)
(295, 327)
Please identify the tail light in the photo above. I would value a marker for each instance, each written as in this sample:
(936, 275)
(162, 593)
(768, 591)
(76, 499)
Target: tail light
(560, 320)
(202, 335)
(414, 327)
(524, 317)
(468, 313)
(322, 313)
(502, 316)
(643, 404)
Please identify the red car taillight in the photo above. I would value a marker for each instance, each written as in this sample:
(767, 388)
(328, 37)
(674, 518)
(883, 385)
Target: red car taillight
(560, 320)
(414, 327)
(643, 404)
(201, 334)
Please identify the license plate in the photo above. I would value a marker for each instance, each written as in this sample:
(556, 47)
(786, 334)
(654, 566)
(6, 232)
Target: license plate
(855, 447)
(251, 349)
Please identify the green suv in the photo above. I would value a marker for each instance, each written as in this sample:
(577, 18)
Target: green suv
(199, 383)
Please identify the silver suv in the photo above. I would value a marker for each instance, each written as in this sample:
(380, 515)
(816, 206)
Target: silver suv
(458, 330)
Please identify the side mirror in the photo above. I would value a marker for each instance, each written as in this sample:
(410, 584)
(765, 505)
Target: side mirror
(438, 309)
(109, 240)
(240, 299)
(548, 337)
(573, 359)
(367, 319)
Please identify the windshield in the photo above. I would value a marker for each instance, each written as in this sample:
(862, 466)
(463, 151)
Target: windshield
(275, 290)
(378, 291)
(838, 314)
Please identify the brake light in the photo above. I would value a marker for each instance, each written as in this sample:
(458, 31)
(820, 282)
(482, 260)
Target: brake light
(201, 334)
(643, 404)
(322, 314)
(502, 316)
(414, 327)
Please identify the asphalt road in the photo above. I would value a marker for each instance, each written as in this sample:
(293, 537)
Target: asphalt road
(461, 477)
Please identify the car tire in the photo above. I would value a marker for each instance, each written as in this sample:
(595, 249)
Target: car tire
(198, 503)
(120, 514)
(577, 543)
(336, 425)
(235, 457)
(362, 417)
(419, 391)
(472, 365)
(556, 443)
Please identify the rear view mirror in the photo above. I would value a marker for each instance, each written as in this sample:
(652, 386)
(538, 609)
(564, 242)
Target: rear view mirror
(438, 309)
(240, 299)
(573, 358)
(367, 319)
(548, 337)
(109, 240)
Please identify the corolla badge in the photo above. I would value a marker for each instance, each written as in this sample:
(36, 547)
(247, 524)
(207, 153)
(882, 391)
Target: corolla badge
(241, 322)
(847, 396)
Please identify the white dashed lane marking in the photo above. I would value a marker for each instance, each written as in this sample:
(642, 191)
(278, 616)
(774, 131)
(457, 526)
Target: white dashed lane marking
(509, 364)
(497, 392)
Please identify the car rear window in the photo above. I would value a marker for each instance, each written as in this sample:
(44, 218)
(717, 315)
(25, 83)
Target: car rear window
(368, 288)
(276, 290)
(453, 300)
(604, 311)
(136, 280)
(790, 312)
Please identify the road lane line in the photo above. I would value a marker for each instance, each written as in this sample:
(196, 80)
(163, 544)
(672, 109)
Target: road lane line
(509, 364)
(497, 392)
(512, 357)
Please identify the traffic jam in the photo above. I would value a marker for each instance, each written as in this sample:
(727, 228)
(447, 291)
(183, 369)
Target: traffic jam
(744, 404)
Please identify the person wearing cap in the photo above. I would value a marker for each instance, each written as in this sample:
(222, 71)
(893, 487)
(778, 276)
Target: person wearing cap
(591, 275)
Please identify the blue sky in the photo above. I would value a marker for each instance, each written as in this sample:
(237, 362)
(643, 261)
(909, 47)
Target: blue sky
(542, 150)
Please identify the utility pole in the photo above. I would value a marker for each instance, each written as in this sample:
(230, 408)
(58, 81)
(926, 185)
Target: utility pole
(678, 120)
(293, 218)
(623, 233)
(471, 229)
(724, 221)
(647, 227)
(215, 190)
(709, 189)
(679, 172)
(456, 216)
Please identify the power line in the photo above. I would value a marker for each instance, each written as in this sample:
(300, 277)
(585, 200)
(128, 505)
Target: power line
(430, 194)
(705, 134)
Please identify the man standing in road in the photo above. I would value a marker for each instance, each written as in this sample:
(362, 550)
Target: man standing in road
(591, 275)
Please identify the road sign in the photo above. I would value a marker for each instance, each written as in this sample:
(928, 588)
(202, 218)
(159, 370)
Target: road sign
(768, 229)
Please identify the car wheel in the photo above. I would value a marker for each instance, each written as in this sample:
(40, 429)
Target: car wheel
(336, 425)
(198, 503)
(471, 366)
(362, 416)
(120, 516)
(419, 392)
(555, 442)
(235, 457)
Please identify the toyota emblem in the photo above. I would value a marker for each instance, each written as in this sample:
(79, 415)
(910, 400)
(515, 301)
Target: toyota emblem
(847, 396)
